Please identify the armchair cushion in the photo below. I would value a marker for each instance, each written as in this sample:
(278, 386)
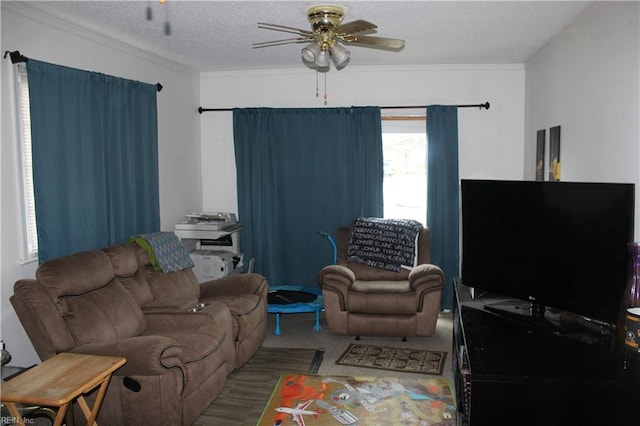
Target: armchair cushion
(381, 287)
(392, 304)
(371, 273)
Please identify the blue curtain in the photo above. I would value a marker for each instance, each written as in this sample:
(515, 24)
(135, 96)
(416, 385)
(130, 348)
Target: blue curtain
(300, 171)
(95, 158)
(443, 203)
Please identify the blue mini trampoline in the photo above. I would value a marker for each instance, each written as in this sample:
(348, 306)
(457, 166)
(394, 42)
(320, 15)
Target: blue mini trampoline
(293, 299)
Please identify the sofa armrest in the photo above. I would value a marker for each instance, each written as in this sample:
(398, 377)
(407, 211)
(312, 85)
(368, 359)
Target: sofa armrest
(41, 319)
(145, 355)
(426, 277)
(235, 285)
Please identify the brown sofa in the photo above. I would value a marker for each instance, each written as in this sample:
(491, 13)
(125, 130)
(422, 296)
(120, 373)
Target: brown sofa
(179, 353)
(362, 300)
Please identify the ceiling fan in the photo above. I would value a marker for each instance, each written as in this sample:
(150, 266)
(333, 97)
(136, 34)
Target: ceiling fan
(326, 33)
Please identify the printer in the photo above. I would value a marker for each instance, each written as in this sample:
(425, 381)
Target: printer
(213, 264)
(216, 231)
(212, 242)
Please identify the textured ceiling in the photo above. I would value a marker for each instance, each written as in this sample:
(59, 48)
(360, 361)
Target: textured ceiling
(217, 35)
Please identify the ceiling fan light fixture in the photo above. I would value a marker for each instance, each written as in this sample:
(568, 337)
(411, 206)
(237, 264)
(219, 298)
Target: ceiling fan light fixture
(322, 41)
(322, 61)
(311, 52)
(339, 54)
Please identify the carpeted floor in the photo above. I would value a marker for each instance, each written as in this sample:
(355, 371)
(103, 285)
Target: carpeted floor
(394, 359)
(297, 332)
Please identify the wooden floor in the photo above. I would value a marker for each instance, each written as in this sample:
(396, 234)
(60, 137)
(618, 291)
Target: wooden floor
(248, 389)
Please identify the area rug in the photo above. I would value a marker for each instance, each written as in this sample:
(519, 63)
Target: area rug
(393, 359)
(333, 400)
(249, 388)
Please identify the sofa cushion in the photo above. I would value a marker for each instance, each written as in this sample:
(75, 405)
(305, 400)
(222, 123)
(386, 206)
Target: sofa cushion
(103, 315)
(181, 284)
(96, 307)
(125, 266)
(245, 311)
(75, 274)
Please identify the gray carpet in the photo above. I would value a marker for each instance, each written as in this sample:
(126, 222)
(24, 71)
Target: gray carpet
(249, 389)
(297, 332)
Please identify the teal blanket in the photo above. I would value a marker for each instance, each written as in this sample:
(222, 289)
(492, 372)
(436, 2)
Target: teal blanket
(166, 251)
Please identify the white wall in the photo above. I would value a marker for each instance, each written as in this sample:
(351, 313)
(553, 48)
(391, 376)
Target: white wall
(491, 141)
(48, 39)
(587, 81)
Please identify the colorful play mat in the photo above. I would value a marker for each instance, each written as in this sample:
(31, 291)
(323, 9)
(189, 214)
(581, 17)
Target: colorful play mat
(291, 299)
(366, 401)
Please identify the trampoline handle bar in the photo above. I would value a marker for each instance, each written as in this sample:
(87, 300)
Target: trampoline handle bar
(333, 245)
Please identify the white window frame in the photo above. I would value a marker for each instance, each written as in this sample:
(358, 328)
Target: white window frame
(28, 212)
(406, 121)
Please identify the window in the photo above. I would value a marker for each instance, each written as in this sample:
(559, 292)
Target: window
(404, 147)
(30, 251)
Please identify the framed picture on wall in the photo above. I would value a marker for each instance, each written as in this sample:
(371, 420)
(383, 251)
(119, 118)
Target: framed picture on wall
(554, 154)
(540, 144)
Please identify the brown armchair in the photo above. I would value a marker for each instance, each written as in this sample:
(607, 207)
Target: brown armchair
(366, 300)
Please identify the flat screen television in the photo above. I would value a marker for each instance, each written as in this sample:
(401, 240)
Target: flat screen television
(551, 244)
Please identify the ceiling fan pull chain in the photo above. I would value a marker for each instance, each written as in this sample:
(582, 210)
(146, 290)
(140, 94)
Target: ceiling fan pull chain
(317, 86)
(325, 89)
(167, 25)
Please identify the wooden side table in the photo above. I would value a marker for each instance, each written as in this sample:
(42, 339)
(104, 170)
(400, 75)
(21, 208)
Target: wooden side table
(58, 381)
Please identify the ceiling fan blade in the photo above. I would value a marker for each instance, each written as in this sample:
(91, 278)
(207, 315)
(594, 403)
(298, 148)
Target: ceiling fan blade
(284, 29)
(374, 42)
(280, 42)
(355, 27)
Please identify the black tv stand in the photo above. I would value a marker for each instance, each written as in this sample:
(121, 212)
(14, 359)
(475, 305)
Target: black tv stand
(509, 372)
(518, 307)
(534, 320)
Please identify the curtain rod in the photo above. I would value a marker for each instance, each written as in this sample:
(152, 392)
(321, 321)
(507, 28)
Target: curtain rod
(485, 105)
(17, 57)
